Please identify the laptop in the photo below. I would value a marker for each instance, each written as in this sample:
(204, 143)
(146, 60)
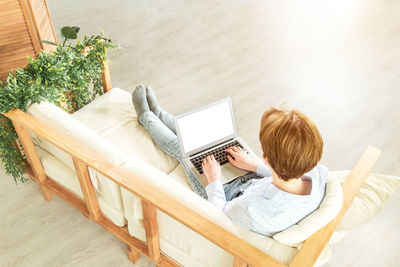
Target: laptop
(210, 130)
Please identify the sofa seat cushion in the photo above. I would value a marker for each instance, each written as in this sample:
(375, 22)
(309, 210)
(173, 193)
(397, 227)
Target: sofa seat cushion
(179, 175)
(113, 116)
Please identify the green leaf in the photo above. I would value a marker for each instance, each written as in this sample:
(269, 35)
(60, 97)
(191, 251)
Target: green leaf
(68, 32)
(76, 29)
(48, 42)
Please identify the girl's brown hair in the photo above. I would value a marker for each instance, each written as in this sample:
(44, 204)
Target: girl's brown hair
(290, 141)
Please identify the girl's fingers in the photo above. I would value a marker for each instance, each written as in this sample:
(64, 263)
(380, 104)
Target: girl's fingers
(230, 150)
(208, 158)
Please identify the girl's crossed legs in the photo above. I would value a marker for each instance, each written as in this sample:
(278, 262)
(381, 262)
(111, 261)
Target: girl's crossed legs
(161, 127)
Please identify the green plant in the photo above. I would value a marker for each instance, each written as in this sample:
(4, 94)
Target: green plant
(70, 74)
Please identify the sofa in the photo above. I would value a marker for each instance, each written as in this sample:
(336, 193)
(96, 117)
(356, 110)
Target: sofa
(109, 127)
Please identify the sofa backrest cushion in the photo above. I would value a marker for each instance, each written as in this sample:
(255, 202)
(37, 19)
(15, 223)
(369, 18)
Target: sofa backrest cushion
(327, 211)
(55, 117)
(370, 200)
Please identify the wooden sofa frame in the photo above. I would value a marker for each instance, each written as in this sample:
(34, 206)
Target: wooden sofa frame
(152, 198)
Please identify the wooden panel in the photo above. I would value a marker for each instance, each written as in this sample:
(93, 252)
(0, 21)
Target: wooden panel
(151, 228)
(33, 158)
(14, 51)
(14, 31)
(105, 78)
(43, 23)
(133, 254)
(30, 25)
(87, 188)
(167, 262)
(239, 263)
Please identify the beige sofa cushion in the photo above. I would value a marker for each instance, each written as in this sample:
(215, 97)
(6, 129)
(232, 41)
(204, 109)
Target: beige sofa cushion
(113, 116)
(59, 172)
(179, 175)
(372, 197)
(327, 211)
(108, 192)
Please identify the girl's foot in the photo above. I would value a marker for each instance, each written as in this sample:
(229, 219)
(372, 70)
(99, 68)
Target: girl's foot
(139, 100)
(151, 99)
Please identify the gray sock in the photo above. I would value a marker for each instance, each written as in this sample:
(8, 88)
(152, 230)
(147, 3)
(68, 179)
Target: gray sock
(151, 99)
(139, 100)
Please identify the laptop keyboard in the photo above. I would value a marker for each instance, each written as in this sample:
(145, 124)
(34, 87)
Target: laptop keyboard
(219, 155)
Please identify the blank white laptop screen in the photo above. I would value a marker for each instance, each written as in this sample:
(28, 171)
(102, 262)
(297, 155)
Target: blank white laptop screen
(205, 126)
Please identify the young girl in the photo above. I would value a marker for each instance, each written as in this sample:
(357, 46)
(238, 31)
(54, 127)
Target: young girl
(288, 187)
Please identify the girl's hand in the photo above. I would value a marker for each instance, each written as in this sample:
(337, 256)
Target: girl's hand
(211, 169)
(241, 159)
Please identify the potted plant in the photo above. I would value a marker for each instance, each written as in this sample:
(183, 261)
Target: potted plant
(69, 76)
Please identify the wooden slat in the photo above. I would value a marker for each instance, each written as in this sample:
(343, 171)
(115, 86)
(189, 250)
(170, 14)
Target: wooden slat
(30, 25)
(151, 228)
(145, 190)
(10, 51)
(237, 262)
(314, 245)
(167, 262)
(105, 78)
(33, 158)
(43, 23)
(133, 254)
(87, 188)
(17, 37)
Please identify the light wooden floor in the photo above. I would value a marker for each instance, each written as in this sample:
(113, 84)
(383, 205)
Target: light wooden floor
(337, 60)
